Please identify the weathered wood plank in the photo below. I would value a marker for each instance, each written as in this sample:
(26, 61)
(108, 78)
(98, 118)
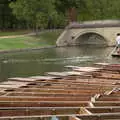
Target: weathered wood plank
(106, 103)
(36, 98)
(43, 103)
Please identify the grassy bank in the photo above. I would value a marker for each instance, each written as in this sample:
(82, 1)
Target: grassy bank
(27, 41)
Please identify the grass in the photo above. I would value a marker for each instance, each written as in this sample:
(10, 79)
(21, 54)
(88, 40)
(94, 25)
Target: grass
(42, 40)
(48, 38)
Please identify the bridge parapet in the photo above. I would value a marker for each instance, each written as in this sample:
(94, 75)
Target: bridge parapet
(95, 24)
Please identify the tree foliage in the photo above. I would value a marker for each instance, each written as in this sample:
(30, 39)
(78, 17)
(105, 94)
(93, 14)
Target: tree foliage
(35, 12)
(63, 5)
(54, 13)
(100, 10)
(70, 8)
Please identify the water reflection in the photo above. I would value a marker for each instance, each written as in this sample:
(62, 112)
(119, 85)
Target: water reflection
(40, 61)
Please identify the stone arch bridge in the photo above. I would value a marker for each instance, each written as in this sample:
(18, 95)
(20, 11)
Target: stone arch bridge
(96, 33)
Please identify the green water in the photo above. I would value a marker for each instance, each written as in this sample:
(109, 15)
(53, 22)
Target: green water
(38, 62)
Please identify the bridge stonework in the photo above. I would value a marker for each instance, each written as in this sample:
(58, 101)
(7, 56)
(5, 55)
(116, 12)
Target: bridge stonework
(73, 34)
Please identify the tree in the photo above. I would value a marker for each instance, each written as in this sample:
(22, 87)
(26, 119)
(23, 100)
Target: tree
(70, 8)
(36, 12)
(6, 17)
(101, 10)
(55, 13)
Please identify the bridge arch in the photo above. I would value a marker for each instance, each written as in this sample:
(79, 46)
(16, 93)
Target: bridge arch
(90, 38)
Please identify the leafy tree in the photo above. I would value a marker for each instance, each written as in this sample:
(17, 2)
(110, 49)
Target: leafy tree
(54, 13)
(101, 10)
(57, 20)
(70, 8)
(6, 17)
(35, 12)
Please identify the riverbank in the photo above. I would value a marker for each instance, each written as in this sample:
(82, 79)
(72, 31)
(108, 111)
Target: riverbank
(19, 42)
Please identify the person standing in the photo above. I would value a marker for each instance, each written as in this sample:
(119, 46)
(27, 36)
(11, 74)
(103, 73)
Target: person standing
(118, 43)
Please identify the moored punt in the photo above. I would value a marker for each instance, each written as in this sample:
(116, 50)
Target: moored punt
(36, 98)
(106, 109)
(106, 116)
(99, 116)
(105, 65)
(87, 69)
(115, 55)
(34, 78)
(48, 94)
(27, 111)
(105, 103)
(109, 67)
(65, 74)
(68, 86)
(108, 76)
(37, 117)
(88, 93)
(75, 80)
(20, 79)
(44, 103)
(45, 90)
(108, 98)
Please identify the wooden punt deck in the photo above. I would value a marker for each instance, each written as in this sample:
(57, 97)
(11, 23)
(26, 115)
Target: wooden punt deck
(84, 93)
(29, 111)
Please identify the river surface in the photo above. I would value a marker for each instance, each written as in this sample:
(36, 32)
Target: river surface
(38, 62)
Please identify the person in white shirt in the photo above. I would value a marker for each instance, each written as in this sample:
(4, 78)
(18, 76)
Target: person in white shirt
(118, 42)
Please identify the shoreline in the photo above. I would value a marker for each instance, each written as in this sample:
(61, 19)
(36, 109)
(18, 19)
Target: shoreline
(27, 49)
(37, 48)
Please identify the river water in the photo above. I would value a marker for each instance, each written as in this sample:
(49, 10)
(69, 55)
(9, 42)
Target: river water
(38, 62)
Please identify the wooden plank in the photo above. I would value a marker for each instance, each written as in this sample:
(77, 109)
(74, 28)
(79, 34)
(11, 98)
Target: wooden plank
(75, 73)
(57, 90)
(102, 64)
(36, 98)
(14, 83)
(47, 94)
(23, 79)
(65, 74)
(11, 86)
(37, 117)
(43, 103)
(108, 99)
(109, 76)
(106, 116)
(106, 103)
(33, 112)
(19, 111)
(103, 109)
(72, 87)
(45, 77)
(68, 85)
(101, 116)
(87, 69)
(78, 82)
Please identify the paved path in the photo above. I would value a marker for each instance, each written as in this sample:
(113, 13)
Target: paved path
(14, 36)
(28, 34)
